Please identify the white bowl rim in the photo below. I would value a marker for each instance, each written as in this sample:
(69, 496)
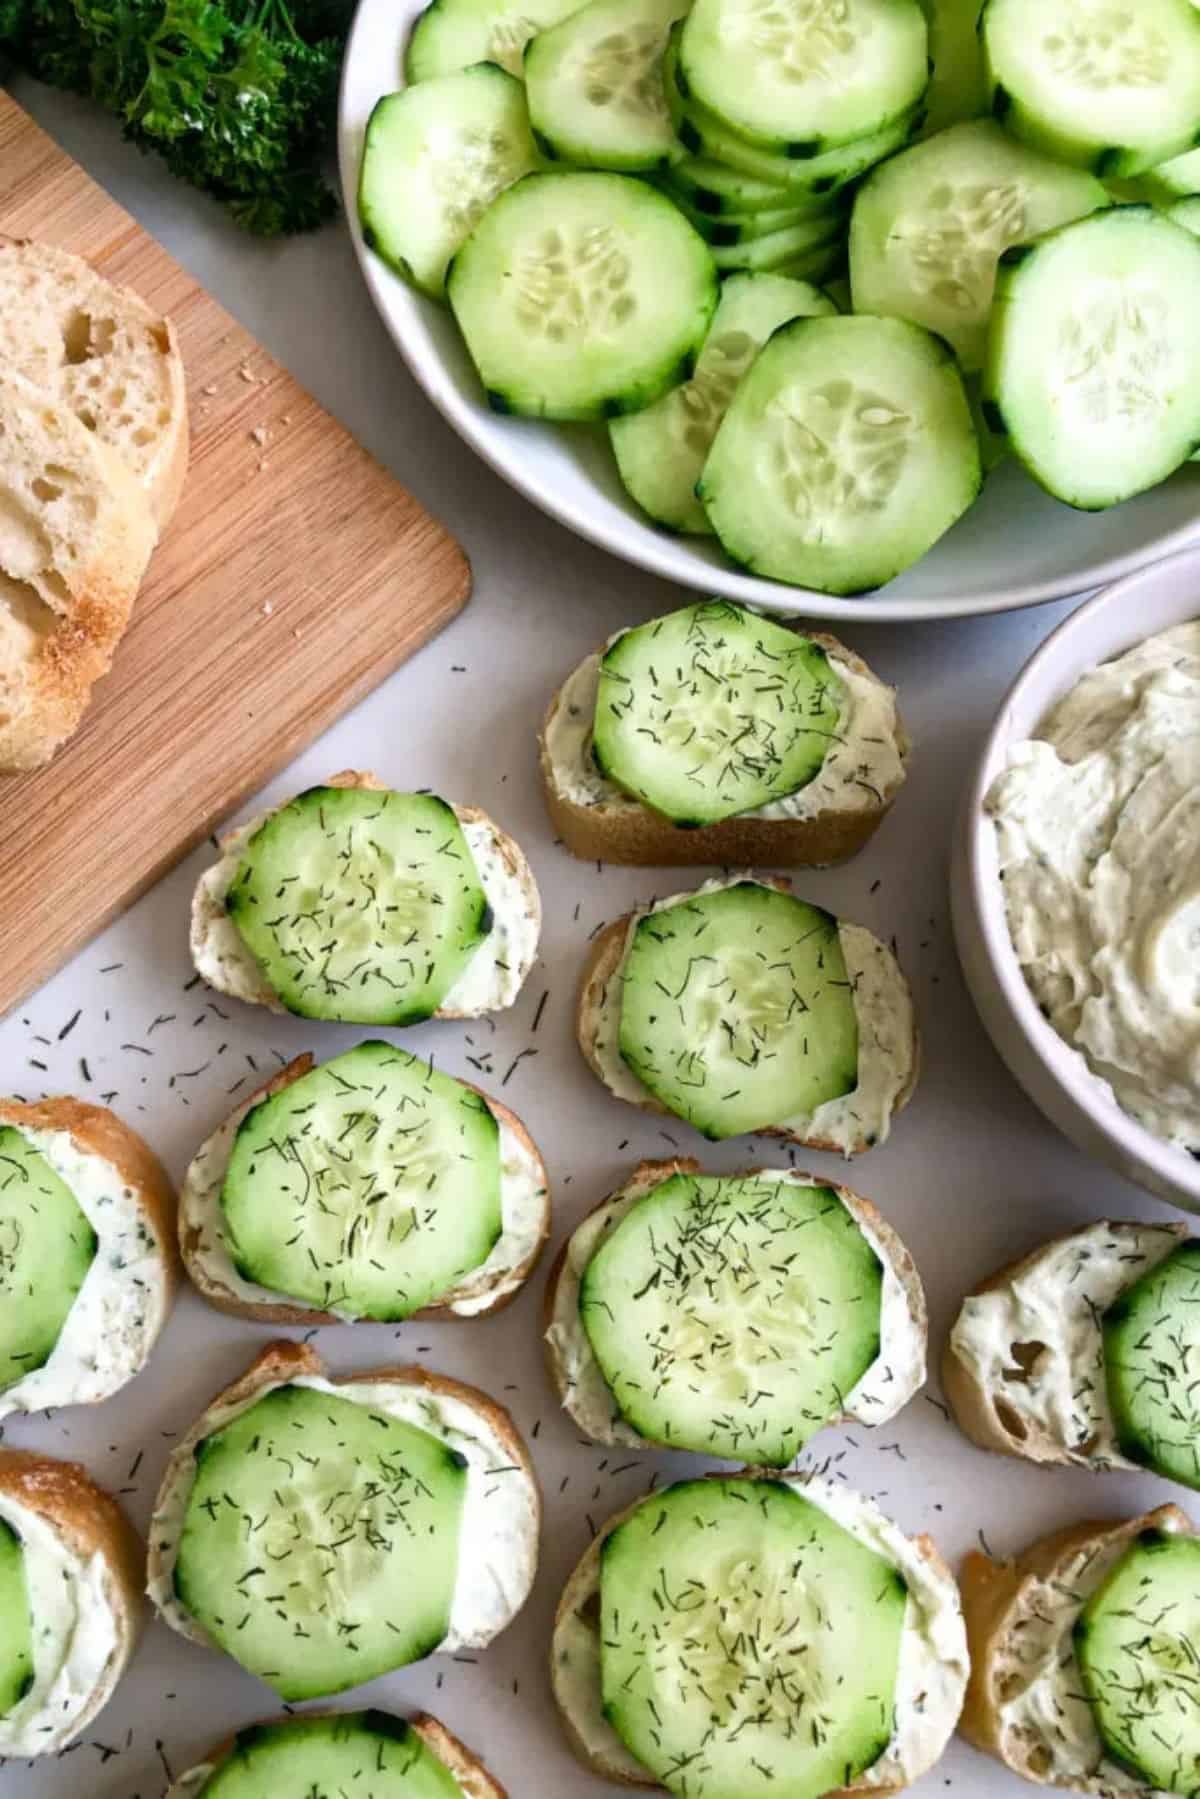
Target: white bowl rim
(646, 552)
(1116, 606)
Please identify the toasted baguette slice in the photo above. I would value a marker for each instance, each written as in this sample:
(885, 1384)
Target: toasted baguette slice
(613, 827)
(1003, 1603)
(101, 351)
(560, 1311)
(1003, 1414)
(221, 957)
(130, 1287)
(58, 1510)
(477, 1296)
(283, 1363)
(466, 1768)
(575, 1668)
(75, 537)
(896, 1053)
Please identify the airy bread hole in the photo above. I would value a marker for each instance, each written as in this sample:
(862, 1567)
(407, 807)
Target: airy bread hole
(1039, 1761)
(1008, 1686)
(46, 490)
(1011, 1421)
(1025, 1358)
(86, 417)
(76, 336)
(143, 436)
(25, 619)
(24, 546)
(161, 338)
(589, 1611)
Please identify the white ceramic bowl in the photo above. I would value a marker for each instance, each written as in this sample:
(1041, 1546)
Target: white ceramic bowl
(1016, 546)
(1056, 1077)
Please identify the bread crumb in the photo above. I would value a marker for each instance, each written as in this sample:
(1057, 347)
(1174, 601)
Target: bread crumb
(267, 608)
(246, 373)
(210, 389)
(259, 434)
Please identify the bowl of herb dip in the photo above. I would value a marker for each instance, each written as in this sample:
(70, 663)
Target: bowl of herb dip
(1075, 882)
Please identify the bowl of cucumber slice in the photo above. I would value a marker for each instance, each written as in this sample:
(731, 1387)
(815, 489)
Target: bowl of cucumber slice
(853, 308)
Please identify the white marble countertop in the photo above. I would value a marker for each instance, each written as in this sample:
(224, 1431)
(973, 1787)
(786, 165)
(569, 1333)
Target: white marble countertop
(971, 1177)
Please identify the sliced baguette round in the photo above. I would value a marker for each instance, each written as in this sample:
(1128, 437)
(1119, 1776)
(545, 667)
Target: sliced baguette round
(467, 1769)
(1000, 1600)
(274, 1366)
(603, 963)
(623, 830)
(101, 351)
(76, 534)
(562, 1285)
(92, 1525)
(980, 1412)
(223, 960)
(504, 1288)
(96, 1131)
(605, 1754)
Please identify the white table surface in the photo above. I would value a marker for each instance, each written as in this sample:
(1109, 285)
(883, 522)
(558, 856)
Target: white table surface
(971, 1177)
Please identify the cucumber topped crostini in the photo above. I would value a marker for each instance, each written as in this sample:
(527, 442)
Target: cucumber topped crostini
(747, 1638)
(732, 1315)
(359, 904)
(370, 1755)
(1083, 1658)
(71, 1611)
(370, 1187)
(1086, 1352)
(325, 1531)
(88, 1259)
(741, 1008)
(715, 735)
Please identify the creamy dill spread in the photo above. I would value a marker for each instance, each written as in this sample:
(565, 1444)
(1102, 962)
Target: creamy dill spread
(1098, 831)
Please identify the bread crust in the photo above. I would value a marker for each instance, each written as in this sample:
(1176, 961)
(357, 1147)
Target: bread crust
(603, 961)
(994, 1595)
(468, 1770)
(640, 837)
(652, 1173)
(91, 1523)
(282, 1361)
(581, 1584)
(975, 1409)
(264, 1312)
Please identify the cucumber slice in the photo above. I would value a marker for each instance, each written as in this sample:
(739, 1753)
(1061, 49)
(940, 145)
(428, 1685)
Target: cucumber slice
(1187, 214)
(1152, 1361)
(661, 452)
(370, 1755)
(733, 1316)
(824, 267)
(582, 296)
(320, 1543)
(749, 1644)
(743, 228)
(779, 249)
(847, 451)
(370, 1186)
(930, 225)
(736, 1013)
(801, 80)
(1094, 355)
(1170, 181)
(1135, 1641)
(712, 711)
(358, 905)
(1111, 88)
(595, 85)
(454, 34)
(16, 1623)
(703, 135)
(711, 187)
(957, 85)
(46, 1249)
(434, 159)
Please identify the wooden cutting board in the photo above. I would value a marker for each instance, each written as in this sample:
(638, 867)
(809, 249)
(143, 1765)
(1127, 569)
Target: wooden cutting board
(295, 576)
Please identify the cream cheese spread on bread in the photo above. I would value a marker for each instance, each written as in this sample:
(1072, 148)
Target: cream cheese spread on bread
(522, 1217)
(886, 1035)
(498, 1540)
(931, 1678)
(888, 1384)
(76, 1635)
(490, 982)
(864, 765)
(121, 1307)
(1035, 1342)
(1098, 832)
